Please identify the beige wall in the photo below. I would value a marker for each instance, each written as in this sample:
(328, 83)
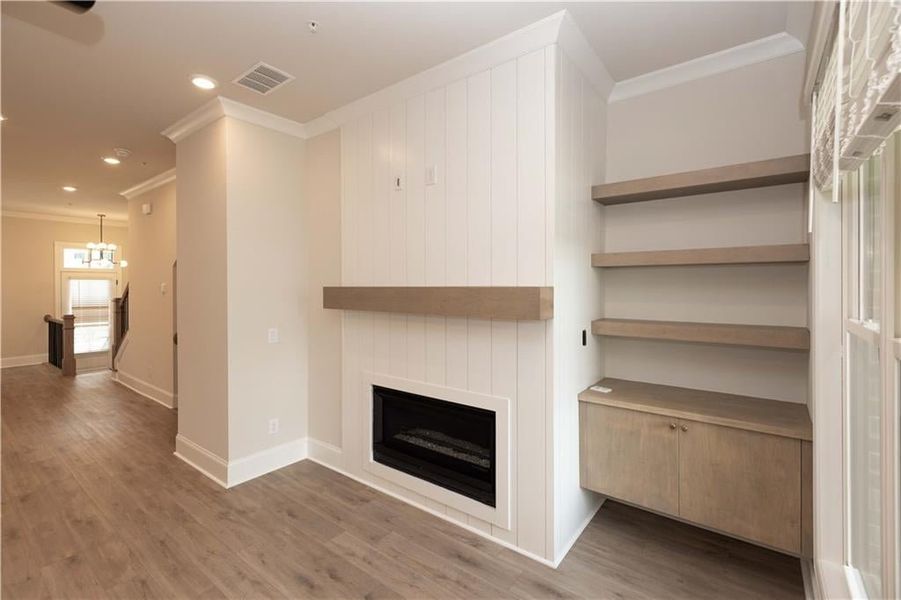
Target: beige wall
(27, 277)
(742, 115)
(266, 288)
(147, 356)
(202, 302)
(322, 220)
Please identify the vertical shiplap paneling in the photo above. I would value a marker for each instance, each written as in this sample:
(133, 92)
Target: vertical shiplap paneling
(382, 190)
(530, 158)
(397, 204)
(415, 188)
(365, 194)
(435, 212)
(478, 231)
(478, 179)
(416, 227)
(349, 209)
(483, 222)
(531, 449)
(456, 360)
(503, 384)
(503, 174)
(455, 185)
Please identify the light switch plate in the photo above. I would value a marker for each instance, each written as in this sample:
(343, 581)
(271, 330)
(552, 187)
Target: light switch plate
(431, 175)
(273, 335)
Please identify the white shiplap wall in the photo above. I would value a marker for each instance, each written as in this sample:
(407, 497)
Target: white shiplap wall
(487, 221)
(578, 232)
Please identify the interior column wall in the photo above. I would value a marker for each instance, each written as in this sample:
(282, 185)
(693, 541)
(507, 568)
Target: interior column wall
(266, 283)
(202, 311)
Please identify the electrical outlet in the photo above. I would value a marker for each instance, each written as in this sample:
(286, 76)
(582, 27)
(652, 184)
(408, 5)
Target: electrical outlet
(273, 335)
(273, 426)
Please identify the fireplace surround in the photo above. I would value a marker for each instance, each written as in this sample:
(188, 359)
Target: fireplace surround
(448, 444)
(460, 452)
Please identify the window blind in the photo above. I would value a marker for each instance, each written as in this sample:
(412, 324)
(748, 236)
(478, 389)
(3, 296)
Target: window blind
(857, 104)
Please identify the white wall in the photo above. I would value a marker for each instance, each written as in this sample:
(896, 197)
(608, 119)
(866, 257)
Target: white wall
(146, 361)
(578, 232)
(322, 231)
(202, 309)
(486, 222)
(747, 114)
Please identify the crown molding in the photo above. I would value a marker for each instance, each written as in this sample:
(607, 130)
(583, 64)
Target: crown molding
(220, 107)
(559, 28)
(151, 184)
(19, 214)
(768, 48)
(527, 39)
(203, 116)
(249, 114)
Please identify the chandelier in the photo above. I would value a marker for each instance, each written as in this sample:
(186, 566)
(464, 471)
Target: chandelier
(101, 254)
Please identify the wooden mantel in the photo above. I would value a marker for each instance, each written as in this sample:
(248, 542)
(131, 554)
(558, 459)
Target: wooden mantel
(494, 302)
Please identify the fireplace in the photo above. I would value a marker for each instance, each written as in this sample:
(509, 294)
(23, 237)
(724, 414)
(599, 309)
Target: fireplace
(448, 444)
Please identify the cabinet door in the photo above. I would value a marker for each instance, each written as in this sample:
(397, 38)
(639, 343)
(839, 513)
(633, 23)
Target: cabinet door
(741, 482)
(629, 455)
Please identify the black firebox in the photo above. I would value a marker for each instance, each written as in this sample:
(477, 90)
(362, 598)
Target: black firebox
(445, 443)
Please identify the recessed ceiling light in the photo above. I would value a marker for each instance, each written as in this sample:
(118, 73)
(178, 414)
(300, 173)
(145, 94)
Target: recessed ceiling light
(203, 82)
(111, 160)
(70, 188)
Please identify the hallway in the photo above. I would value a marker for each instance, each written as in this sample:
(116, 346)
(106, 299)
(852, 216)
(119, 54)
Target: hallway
(95, 505)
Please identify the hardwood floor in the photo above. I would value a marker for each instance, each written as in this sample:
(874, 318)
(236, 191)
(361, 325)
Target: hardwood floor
(95, 505)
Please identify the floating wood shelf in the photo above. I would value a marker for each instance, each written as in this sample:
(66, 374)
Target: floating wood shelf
(787, 419)
(741, 255)
(777, 171)
(764, 336)
(502, 303)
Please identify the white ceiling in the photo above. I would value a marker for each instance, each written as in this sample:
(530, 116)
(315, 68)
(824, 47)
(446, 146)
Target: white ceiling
(75, 86)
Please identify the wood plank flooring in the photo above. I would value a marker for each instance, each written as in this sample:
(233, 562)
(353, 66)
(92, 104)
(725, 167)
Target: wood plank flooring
(94, 505)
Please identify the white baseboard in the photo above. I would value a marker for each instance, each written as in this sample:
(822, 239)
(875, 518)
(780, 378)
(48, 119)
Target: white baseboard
(324, 453)
(440, 515)
(22, 361)
(266, 461)
(572, 541)
(214, 467)
(228, 474)
(147, 390)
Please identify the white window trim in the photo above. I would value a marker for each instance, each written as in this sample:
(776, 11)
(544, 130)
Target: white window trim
(889, 349)
(58, 271)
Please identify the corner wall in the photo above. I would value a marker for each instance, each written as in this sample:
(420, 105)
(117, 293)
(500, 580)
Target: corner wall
(322, 230)
(581, 124)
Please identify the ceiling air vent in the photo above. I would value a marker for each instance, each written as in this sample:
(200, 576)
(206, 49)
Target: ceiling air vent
(263, 78)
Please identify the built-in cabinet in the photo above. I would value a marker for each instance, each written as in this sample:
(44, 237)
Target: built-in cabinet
(735, 464)
(730, 463)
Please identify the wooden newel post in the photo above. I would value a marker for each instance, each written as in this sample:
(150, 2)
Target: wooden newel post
(69, 345)
(116, 329)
